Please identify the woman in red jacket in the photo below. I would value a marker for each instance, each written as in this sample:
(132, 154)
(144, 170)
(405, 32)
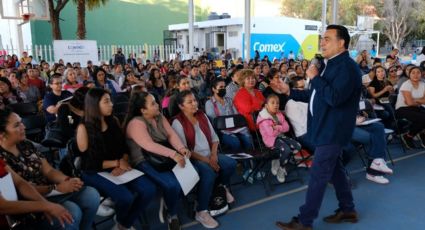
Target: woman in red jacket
(248, 100)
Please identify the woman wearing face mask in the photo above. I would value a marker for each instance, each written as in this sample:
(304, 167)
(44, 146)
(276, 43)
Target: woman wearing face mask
(219, 105)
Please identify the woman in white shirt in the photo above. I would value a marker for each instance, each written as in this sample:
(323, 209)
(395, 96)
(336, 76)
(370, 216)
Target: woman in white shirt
(410, 105)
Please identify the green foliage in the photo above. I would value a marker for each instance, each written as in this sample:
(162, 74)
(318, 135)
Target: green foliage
(92, 4)
(347, 13)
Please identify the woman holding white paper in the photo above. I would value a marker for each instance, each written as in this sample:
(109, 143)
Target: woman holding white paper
(21, 155)
(103, 148)
(33, 202)
(149, 131)
(194, 128)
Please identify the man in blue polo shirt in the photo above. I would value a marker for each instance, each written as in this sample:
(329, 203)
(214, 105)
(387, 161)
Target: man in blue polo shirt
(333, 104)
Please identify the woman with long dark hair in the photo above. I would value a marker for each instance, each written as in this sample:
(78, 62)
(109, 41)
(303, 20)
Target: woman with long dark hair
(8, 93)
(148, 131)
(101, 81)
(103, 147)
(157, 82)
(380, 89)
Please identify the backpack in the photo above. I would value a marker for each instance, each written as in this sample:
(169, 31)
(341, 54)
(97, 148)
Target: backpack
(218, 202)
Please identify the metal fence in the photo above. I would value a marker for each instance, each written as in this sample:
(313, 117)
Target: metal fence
(105, 52)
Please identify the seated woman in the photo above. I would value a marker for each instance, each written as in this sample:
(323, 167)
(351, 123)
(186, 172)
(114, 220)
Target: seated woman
(410, 105)
(9, 94)
(21, 155)
(198, 135)
(273, 126)
(103, 149)
(275, 87)
(71, 84)
(219, 105)
(183, 83)
(379, 89)
(32, 94)
(102, 82)
(13, 79)
(172, 85)
(130, 81)
(157, 82)
(149, 131)
(32, 202)
(248, 100)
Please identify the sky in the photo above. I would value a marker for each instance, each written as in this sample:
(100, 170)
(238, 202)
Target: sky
(236, 8)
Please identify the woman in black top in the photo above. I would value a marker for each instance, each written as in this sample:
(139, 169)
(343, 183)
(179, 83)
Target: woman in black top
(103, 147)
(380, 89)
(274, 87)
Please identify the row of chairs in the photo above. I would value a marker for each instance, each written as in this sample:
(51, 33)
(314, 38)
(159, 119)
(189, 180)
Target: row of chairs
(262, 156)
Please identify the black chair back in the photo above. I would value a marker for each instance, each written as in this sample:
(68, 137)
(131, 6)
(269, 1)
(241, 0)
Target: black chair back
(230, 122)
(120, 110)
(34, 127)
(393, 99)
(120, 98)
(24, 109)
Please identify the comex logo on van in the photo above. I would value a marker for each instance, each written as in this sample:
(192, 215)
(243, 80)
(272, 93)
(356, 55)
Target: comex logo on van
(269, 47)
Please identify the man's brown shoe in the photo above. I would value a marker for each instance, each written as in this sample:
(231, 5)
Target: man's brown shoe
(293, 225)
(340, 217)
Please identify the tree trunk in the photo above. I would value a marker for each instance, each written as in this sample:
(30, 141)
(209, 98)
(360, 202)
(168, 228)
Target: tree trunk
(56, 31)
(81, 19)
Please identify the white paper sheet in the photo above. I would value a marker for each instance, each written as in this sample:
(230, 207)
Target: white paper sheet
(378, 107)
(230, 123)
(66, 99)
(362, 105)
(7, 188)
(370, 121)
(54, 193)
(124, 178)
(187, 176)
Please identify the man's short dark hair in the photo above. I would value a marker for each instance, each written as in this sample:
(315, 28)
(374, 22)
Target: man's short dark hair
(341, 33)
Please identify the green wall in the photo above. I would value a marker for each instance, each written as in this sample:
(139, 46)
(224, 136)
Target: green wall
(131, 22)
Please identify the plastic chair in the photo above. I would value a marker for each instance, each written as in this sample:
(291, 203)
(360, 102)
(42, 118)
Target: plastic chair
(24, 109)
(34, 127)
(120, 110)
(120, 98)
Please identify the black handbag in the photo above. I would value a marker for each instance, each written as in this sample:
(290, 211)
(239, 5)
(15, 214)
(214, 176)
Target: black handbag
(158, 162)
(55, 136)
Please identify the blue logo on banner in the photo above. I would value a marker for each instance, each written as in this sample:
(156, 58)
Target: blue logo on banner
(273, 45)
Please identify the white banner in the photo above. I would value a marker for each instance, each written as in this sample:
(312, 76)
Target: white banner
(76, 51)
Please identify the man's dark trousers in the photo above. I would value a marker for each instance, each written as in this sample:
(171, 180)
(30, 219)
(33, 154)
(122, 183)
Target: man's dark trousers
(327, 167)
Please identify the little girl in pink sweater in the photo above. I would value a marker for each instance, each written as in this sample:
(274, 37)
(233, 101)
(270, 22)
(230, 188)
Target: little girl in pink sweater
(273, 126)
